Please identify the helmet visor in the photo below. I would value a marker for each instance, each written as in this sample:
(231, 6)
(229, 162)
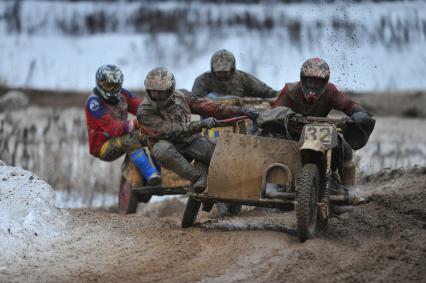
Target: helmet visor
(159, 95)
(110, 87)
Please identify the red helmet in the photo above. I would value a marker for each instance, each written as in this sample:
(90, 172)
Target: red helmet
(314, 76)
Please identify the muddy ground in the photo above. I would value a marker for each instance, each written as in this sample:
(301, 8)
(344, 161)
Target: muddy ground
(383, 240)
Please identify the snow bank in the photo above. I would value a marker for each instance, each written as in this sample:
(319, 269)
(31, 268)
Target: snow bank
(27, 213)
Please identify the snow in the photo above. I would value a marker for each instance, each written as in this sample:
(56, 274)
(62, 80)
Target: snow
(27, 213)
(365, 52)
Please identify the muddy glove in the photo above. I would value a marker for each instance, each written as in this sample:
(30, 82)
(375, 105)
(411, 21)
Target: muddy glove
(342, 124)
(295, 124)
(205, 123)
(297, 121)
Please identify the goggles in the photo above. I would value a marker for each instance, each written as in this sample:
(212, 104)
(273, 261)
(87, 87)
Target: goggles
(110, 87)
(159, 95)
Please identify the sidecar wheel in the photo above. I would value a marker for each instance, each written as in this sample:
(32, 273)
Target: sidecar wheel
(127, 199)
(191, 211)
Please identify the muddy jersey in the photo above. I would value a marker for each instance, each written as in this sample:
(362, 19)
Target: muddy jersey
(173, 122)
(291, 96)
(239, 84)
(106, 120)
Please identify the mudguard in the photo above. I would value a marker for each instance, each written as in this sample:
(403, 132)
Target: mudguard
(314, 145)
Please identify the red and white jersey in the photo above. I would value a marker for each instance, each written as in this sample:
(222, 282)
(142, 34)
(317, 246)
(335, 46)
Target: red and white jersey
(106, 120)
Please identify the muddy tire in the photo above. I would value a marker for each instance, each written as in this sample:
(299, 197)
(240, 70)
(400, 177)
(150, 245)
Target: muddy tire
(307, 197)
(127, 199)
(191, 211)
(207, 206)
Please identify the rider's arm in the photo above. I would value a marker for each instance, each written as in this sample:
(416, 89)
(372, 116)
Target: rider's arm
(209, 108)
(100, 120)
(253, 87)
(283, 99)
(154, 126)
(200, 89)
(342, 102)
(133, 101)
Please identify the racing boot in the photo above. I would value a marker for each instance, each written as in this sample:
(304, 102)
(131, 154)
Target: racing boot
(201, 183)
(348, 174)
(169, 157)
(145, 166)
(348, 196)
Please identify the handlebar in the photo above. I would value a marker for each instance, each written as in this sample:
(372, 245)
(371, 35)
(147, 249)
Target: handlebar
(228, 121)
(242, 100)
(323, 119)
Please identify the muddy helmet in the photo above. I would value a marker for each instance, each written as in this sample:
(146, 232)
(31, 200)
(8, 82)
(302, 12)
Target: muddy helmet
(222, 61)
(314, 68)
(160, 85)
(109, 80)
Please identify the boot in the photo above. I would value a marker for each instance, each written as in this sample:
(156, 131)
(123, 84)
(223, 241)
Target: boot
(171, 159)
(336, 188)
(145, 166)
(348, 174)
(200, 184)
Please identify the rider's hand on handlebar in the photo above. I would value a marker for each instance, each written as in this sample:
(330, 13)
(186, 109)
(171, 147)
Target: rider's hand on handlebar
(298, 120)
(205, 123)
(343, 122)
(208, 123)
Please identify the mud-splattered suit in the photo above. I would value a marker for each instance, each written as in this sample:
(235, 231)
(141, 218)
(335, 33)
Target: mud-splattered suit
(240, 84)
(291, 96)
(110, 133)
(171, 138)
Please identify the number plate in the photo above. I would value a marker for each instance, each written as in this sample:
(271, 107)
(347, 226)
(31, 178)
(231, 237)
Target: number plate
(324, 134)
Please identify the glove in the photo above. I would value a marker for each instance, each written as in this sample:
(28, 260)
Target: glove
(208, 123)
(205, 123)
(342, 124)
(297, 120)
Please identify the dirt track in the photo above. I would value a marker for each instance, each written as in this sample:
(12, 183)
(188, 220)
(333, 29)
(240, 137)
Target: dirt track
(383, 240)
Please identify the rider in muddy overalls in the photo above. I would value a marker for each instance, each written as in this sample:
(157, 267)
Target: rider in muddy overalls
(165, 118)
(110, 133)
(223, 79)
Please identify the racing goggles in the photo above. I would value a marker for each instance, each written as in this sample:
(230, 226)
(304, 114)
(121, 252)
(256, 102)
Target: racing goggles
(315, 83)
(159, 95)
(110, 87)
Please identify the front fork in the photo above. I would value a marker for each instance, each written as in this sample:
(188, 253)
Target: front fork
(324, 204)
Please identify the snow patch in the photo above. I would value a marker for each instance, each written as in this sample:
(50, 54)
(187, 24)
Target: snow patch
(27, 213)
